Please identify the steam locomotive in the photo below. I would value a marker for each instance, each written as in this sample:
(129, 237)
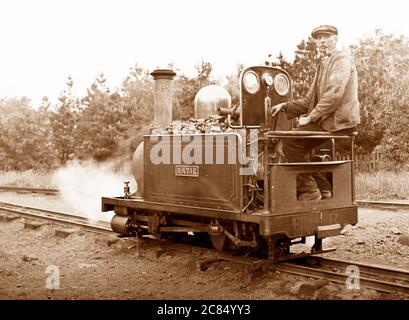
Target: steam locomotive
(229, 183)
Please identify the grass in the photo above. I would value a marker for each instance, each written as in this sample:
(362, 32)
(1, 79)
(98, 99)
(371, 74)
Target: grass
(29, 179)
(382, 185)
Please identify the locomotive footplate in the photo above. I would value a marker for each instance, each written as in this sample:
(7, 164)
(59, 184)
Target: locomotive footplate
(320, 223)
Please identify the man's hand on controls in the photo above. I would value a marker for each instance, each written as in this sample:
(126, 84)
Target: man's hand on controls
(303, 121)
(277, 108)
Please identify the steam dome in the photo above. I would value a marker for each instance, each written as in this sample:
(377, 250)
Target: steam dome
(210, 99)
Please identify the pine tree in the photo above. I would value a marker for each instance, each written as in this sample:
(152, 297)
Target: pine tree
(64, 122)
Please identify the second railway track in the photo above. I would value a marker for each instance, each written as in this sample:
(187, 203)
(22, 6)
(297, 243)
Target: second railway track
(29, 190)
(385, 205)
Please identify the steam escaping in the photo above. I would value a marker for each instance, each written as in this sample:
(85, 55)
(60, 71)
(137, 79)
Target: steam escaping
(83, 184)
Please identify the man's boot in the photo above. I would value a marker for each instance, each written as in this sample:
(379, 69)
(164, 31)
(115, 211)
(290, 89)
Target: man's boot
(307, 188)
(323, 185)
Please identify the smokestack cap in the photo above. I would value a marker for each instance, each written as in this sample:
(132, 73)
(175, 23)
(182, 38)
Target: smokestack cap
(163, 74)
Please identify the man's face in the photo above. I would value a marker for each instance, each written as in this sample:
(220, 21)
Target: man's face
(326, 43)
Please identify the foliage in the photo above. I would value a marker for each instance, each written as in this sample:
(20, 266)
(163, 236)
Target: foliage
(64, 122)
(137, 94)
(302, 69)
(137, 102)
(25, 140)
(112, 123)
(383, 70)
(95, 132)
(233, 85)
(183, 102)
(186, 89)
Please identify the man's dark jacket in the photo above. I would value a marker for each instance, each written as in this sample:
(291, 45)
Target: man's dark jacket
(332, 100)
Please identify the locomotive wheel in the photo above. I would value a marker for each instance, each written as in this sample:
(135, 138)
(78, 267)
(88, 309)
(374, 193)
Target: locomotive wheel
(282, 247)
(218, 241)
(276, 247)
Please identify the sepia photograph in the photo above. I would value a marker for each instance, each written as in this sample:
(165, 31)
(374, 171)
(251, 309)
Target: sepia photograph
(204, 158)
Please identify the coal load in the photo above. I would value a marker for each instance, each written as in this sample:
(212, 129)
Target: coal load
(212, 124)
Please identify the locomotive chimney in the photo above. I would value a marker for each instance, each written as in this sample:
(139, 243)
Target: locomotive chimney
(164, 89)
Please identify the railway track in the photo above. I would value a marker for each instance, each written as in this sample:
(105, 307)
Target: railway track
(380, 278)
(29, 190)
(59, 218)
(385, 205)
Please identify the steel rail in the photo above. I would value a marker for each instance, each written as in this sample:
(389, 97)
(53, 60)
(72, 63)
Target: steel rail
(389, 275)
(387, 205)
(368, 274)
(56, 217)
(369, 269)
(30, 190)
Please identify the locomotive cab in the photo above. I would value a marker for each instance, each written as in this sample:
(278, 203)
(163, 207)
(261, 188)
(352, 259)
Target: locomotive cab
(234, 185)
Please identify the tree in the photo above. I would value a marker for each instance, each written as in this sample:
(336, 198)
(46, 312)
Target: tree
(64, 122)
(186, 89)
(111, 124)
(233, 85)
(303, 68)
(204, 69)
(281, 62)
(25, 140)
(137, 94)
(95, 132)
(383, 71)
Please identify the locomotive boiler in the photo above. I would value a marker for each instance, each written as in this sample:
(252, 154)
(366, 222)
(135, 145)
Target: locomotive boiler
(222, 176)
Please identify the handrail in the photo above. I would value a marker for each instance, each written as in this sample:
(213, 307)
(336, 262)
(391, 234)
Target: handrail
(309, 134)
(320, 163)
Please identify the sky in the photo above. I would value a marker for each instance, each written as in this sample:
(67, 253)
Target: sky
(45, 41)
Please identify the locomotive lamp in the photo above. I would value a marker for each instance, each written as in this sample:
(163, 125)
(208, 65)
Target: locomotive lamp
(251, 82)
(281, 84)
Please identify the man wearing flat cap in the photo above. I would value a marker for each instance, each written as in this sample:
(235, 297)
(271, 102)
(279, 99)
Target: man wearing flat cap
(330, 105)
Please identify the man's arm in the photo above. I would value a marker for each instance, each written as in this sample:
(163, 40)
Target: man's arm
(334, 90)
(296, 108)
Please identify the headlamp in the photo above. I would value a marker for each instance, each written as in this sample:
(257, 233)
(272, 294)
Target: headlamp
(251, 82)
(281, 84)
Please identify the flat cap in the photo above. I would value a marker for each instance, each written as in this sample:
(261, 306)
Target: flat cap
(327, 29)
